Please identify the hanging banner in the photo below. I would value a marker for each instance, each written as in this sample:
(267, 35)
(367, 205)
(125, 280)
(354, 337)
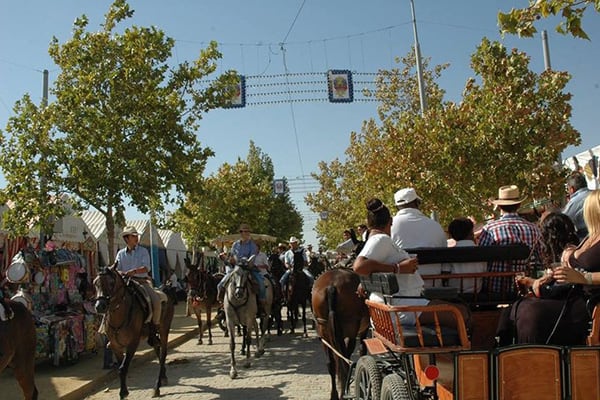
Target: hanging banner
(339, 86)
(239, 98)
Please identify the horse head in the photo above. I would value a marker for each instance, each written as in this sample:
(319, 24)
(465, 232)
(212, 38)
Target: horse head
(238, 286)
(109, 283)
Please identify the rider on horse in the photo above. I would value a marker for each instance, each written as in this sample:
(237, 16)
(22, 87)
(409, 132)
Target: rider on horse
(134, 261)
(292, 262)
(245, 247)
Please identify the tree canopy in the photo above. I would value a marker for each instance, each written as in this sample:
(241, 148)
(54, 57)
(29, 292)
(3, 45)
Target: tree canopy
(238, 193)
(509, 128)
(122, 129)
(521, 21)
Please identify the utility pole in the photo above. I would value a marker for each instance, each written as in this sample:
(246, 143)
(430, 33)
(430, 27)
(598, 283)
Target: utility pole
(42, 179)
(422, 98)
(546, 51)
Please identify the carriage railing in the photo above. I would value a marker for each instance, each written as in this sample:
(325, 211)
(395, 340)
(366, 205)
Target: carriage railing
(479, 296)
(420, 338)
(593, 338)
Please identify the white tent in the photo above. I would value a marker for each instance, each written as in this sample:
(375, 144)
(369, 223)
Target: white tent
(176, 250)
(588, 163)
(96, 229)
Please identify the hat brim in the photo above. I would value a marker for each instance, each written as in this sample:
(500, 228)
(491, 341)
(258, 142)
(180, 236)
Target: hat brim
(508, 202)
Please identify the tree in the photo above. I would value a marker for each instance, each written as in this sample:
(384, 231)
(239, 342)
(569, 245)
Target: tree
(521, 20)
(123, 126)
(238, 193)
(509, 128)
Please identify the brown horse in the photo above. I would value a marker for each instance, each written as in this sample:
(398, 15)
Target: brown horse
(124, 322)
(17, 348)
(297, 296)
(341, 317)
(202, 294)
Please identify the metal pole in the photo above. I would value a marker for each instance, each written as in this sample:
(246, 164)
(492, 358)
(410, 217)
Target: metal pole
(42, 180)
(422, 98)
(546, 50)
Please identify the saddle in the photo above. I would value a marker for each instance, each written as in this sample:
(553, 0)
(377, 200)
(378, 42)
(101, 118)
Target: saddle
(139, 291)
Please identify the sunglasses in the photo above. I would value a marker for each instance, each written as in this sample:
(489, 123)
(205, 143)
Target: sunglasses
(244, 230)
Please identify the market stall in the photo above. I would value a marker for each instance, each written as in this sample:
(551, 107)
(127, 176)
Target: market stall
(55, 283)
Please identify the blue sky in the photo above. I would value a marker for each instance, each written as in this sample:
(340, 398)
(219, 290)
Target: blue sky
(317, 35)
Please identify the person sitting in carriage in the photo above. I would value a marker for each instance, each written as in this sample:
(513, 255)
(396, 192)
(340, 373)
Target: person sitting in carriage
(291, 259)
(134, 261)
(245, 247)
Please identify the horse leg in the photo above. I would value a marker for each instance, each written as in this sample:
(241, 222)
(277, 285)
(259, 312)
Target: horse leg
(209, 322)
(124, 369)
(232, 371)
(304, 319)
(248, 339)
(260, 336)
(162, 357)
(331, 364)
(198, 313)
(25, 376)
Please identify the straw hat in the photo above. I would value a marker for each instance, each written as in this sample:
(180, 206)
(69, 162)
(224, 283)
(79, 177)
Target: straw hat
(508, 195)
(129, 230)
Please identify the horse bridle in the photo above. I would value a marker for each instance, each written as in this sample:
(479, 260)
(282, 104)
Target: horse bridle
(243, 288)
(122, 289)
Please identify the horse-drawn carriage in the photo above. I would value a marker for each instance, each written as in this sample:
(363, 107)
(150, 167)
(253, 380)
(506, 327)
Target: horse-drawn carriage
(434, 361)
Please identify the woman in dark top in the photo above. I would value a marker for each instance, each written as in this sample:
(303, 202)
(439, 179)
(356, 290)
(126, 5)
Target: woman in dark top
(550, 313)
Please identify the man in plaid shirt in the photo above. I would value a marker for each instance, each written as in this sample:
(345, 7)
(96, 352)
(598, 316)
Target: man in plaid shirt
(510, 228)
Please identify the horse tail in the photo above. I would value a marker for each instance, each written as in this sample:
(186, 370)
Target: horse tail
(334, 323)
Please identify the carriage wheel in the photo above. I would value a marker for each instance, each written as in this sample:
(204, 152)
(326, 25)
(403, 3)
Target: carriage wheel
(394, 388)
(367, 382)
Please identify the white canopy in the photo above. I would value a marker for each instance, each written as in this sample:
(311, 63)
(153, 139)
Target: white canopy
(588, 163)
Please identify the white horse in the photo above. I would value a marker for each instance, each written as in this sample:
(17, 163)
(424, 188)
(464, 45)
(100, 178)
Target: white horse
(240, 309)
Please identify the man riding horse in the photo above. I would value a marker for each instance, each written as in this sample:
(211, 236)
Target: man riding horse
(245, 247)
(133, 261)
(295, 259)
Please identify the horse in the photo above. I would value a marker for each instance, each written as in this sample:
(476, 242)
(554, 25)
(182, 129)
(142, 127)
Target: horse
(240, 309)
(341, 317)
(124, 323)
(202, 294)
(276, 307)
(17, 347)
(297, 295)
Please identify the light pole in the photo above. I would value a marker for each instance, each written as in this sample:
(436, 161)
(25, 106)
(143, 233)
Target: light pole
(422, 98)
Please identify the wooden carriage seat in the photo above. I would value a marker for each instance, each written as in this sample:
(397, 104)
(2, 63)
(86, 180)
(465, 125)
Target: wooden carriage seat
(418, 338)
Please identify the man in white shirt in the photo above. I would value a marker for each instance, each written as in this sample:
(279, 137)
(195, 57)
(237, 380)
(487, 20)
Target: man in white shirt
(411, 228)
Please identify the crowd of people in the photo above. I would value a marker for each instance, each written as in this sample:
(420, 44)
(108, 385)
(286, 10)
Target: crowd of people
(564, 259)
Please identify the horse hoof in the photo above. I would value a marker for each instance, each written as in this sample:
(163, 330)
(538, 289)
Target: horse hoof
(210, 341)
(305, 335)
(156, 393)
(233, 374)
(199, 341)
(247, 365)
(259, 353)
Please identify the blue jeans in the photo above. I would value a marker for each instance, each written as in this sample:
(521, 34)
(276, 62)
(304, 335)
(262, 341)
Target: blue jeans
(286, 276)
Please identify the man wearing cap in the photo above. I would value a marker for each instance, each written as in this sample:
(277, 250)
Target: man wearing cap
(295, 252)
(510, 228)
(411, 228)
(134, 261)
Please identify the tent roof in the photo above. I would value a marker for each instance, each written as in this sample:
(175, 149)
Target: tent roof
(96, 224)
(172, 240)
(143, 226)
